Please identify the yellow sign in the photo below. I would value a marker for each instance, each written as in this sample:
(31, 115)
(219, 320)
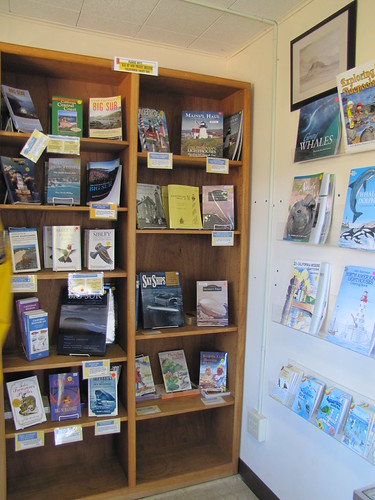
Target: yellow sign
(134, 66)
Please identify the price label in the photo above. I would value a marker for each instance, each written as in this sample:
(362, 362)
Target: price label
(27, 283)
(160, 161)
(71, 434)
(222, 238)
(27, 440)
(107, 427)
(103, 211)
(217, 165)
(99, 368)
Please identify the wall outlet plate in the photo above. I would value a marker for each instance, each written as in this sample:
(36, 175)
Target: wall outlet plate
(256, 425)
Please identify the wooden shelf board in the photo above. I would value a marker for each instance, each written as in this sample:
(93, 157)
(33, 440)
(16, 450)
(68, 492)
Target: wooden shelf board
(177, 231)
(52, 208)
(189, 161)
(15, 361)
(48, 274)
(183, 331)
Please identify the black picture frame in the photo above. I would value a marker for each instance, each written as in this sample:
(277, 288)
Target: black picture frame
(321, 53)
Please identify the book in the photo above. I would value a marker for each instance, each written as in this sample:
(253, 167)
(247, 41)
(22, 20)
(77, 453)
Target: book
(83, 324)
(144, 381)
(26, 402)
(36, 341)
(352, 324)
(24, 249)
(160, 390)
(308, 397)
(184, 207)
(112, 313)
(213, 371)
(21, 108)
(202, 133)
(212, 303)
(137, 298)
(307, 296)
(22, 306)
(150, 212)
(99, 249)
(319, 129)
(65, 397)
(20, 180)
(174, 370)
(288, 380)
(333, 411)
(8, 409)
(153, 130)
(105, 117)
(63, 181)
(66, 116)
(66, 248)
(161, 299)
(355, 90)
(103, 401)
(302, 207)
(47, 247)
(218, 207)
(232, 135)
(104, 181)
(323, 213)
(357, 428)
(358, 222)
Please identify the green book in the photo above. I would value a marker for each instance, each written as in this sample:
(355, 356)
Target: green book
(66, 116)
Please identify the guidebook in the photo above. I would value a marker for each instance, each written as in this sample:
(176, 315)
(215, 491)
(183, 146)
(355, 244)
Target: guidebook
(20, 180)
(63, 178)
(202, 133)
(24, 249)
(66, 248)
(102, 395)
(66, 116)
(104, 181)
(105, 117)
(309, 394)
(333, 410)
(184, 207)
(21, 108)
(150, 212)
(358, 427)
(153, 131)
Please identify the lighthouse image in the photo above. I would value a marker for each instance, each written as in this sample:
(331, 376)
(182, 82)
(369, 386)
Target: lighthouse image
(357, 331)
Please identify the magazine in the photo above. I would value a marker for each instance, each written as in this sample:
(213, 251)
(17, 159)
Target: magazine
(202, 133)
(153, 131)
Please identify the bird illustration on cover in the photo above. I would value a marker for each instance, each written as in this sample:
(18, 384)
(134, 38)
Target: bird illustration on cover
(66, 253)
(102, 251)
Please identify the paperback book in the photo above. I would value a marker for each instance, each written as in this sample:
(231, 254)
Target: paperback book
(65, 398)
(308, 397)
(184, 207)
(66, 116)
(150, 212)
(105, 117)
(323, 213)
(63, 180)
(66, 248)
(357, 429)
(24, 249)
(174, 370)
(103, 396)
(47, 247)
(22, 306)
(218, 207)
(333, 411)
(99, 249)
(21, 108)
(20, 180)
(202, 133)
(104, 181)
(36, 342)
(213, 371)
(144, 381)
(232, 135)
(288, 380)
(212, 303)
(26, 402)
(153, 131)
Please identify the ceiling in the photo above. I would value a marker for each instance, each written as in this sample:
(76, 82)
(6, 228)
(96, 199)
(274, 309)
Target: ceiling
(174, 23)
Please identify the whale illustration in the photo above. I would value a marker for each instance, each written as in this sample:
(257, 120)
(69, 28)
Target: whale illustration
(356, 187)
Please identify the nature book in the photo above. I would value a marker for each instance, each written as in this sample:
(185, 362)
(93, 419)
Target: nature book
(212, 303)
(66, 248)
(287, 383)
(309, 394)
(202, 133)
(161, 299)
(150, 212)
(232, 135)
(358, 427)
(22, 306)
(153, 131)
(66, 116)
(355, 90)
(47, 247)
(99, 249)
(358, 223)
(302, 207)
(102, 396)
(213, 371)
(64, 394)
(319, 129)
(63, 180)
(184, 207)
(105, 117)
(24, 249)
(174, 370)
(333, 410)
(21, 108)
(36, 341)
(352, 324)
(218, 207)
(323, 213)
(26, 402)
(19, 179)
(144, 381)
(104, 181)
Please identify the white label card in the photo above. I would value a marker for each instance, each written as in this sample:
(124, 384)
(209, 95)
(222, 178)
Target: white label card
(107, 426)
(81, 285)
(27, 283)
(62, 144)
(27, 440)
(217, 165)
(35, 146)
(222, 238)
(99, 368)
(70, 434)
(160, 161)
(103, 211)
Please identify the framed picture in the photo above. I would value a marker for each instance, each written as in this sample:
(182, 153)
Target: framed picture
(319, 54)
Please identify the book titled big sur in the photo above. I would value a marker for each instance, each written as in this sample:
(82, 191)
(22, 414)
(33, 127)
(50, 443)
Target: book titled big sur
(104, 181)
(64, 396)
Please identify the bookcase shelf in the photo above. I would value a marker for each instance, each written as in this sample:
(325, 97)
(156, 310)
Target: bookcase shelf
(187, 442)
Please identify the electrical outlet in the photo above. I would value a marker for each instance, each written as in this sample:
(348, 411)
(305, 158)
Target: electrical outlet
(256, 425)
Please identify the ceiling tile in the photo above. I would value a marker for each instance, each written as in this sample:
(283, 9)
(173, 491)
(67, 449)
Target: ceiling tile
(233, 29)
(4, 5)
(165, 36)
(269, 9)
(131, 11)
(220, 48)
(103, 25)
(44, 11)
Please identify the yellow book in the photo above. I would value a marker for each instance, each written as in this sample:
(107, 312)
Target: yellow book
(184, 207)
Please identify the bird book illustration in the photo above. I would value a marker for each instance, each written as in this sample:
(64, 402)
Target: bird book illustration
(99, 249)
(66, 248)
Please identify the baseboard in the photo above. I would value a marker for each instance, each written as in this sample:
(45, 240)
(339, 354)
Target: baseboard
(256, 485)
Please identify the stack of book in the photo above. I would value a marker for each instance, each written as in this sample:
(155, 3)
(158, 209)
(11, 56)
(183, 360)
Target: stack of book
(33, 324)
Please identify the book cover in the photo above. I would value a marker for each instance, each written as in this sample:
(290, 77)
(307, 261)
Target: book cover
(63, 181)
(26, 402)
(333, 410)
(66, 248)
(150, 212)
(83, 324)
(184, 207)
(153, 130)
(232, 135)
(144, 381)
(22, 306)
(103, 396)
(105, 117)
(64, 396)
(218, 207)
(66, 116)
(288, 380)
(20, 180)
(302, 207)
(202, 133)
(309, 394)
(358, 223)
(319, 129)
(161, 299)
(213, 371)
(357, 428)
(36, 334)
(352, 324)
(104, 181)
(21, 109)
(24, 249)
(137, 298)
(47, 247)
(323, 213)
(356, 95)
(174, 370)
(100, 249)
(212, 303)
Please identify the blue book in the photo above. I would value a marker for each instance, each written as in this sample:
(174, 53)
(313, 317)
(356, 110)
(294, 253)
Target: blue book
(357, 428)
(102, 397)
(36, 342)
(213, 371)
(308, 396)
(20, 180)
(333, 410)
(63, 181)
(65, 398)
